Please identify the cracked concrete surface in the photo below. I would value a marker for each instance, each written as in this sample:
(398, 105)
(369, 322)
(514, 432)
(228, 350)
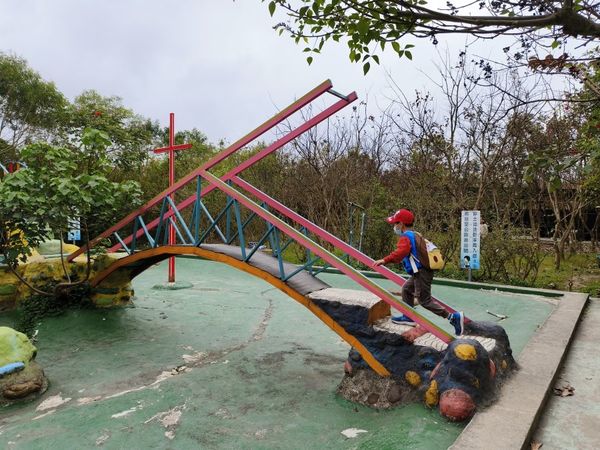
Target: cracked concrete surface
(251, 366)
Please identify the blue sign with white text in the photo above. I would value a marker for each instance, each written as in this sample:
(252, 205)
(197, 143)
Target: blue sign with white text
(74, 233)
(469, 239)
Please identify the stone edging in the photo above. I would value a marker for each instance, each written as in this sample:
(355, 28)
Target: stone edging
(465, 284)
(511, 420)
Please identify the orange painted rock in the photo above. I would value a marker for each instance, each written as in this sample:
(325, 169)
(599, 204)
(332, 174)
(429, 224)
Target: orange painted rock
(456, 405)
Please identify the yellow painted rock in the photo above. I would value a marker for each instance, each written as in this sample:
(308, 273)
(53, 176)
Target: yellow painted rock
(466, 352)
(432, 394)
(15, 347)
(413, 378)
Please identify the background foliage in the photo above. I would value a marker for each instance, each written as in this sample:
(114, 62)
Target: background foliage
(533, 172)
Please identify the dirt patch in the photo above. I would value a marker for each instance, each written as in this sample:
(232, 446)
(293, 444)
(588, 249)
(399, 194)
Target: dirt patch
(588, 282)
(271, 359)
(369, 389)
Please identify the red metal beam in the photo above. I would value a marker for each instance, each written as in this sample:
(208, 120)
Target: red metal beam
(253, 160)
(326, 236)
(260, 130)
(173, 148)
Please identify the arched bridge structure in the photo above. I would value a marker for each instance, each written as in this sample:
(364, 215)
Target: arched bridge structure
(217, 221)
(298, 288)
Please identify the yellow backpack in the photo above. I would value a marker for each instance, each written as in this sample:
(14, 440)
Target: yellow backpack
(429, 255)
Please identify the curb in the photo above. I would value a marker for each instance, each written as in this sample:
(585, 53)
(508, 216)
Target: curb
(463, 284)
(510, 422)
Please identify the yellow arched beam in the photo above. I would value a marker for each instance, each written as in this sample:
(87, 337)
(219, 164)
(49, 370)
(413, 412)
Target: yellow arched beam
(149, 257)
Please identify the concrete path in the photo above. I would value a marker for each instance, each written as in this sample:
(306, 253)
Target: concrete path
(510, 421)
(573, 422)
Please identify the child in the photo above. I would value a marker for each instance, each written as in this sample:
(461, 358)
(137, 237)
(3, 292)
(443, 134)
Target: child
(418, 285)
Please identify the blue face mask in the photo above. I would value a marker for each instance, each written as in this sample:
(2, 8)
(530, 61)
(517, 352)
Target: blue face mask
(398, 231)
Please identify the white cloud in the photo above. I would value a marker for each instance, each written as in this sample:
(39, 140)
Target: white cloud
(217, 64)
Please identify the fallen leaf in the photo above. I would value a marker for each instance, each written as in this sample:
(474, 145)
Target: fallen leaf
(566, 390)
(536, 445)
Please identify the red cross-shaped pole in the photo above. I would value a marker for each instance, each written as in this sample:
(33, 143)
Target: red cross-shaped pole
(172, 148)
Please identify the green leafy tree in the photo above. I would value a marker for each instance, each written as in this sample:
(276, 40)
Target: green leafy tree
(369, 26)
(36, 202)
(30, 108)
(131, 136)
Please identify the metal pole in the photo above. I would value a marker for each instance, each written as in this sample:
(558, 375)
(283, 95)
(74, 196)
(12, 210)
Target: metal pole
(353, 207)
(362, 230)
(171, 183)
(467, 261)
(351, 235)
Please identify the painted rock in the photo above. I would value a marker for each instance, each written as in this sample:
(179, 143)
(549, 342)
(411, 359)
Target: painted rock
(456, 405)
(20, 376)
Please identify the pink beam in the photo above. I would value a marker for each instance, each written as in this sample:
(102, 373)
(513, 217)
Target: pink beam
(253, 160)
(326, 236)
(328, 257)
(260, 130)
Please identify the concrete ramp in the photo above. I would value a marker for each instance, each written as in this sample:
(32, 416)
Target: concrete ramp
(362, 304)
(303, 282)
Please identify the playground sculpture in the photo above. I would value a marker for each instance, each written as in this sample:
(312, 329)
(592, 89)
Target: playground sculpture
(21, 377)
(458, 378)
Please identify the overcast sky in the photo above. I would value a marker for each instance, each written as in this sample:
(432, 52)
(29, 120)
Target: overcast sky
(217, 64)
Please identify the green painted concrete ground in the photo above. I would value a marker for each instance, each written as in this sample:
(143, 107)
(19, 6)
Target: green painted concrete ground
(260, 371)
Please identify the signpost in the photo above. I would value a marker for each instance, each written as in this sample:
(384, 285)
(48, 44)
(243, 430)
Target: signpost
(469, 241)
(172, 148)
(74, 233)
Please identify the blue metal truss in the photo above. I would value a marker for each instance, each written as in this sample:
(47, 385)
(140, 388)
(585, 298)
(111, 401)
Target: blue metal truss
(195, 232)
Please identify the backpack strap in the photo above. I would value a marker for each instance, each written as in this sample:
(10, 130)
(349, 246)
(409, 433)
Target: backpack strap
(413, 263)
(422, 250)
(412, 258)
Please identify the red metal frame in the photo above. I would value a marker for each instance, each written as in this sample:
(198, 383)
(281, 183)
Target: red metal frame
(220, 183)
(257, 132)
(253, 160)
(172, 148)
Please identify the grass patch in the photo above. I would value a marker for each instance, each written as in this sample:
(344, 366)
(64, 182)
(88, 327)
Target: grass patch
(578, 272)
